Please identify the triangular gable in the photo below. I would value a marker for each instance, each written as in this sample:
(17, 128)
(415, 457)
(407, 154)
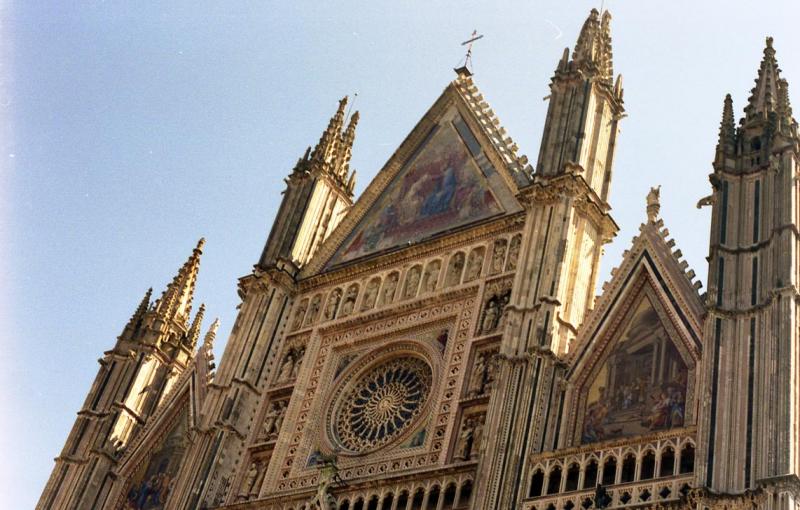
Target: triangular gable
(455, 169)
(157, 451)
(633, 366)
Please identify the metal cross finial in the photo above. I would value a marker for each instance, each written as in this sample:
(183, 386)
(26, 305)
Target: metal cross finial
(468, 43)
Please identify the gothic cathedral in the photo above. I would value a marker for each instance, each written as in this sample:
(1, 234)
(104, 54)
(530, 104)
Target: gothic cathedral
(437, 344)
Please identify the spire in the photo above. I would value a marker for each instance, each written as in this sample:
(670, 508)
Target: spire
(176, 301)
(205, 354)
(194, 330)
(332, 153)
(592, 53)
(211, 335)
(144, 304)
(346, 147)
(764, 96)
(727, 127)
(325, 150)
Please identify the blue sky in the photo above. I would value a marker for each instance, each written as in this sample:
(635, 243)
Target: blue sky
(131, 129)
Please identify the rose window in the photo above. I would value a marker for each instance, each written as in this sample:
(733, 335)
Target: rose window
(381, 404)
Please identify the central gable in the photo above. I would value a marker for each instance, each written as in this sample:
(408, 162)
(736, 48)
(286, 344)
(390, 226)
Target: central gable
(447, 183)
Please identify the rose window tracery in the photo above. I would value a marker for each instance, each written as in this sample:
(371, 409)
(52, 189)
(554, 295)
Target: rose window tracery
(381, 404)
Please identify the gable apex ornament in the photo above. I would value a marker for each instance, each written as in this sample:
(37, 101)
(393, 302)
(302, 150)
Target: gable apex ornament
(653, 204)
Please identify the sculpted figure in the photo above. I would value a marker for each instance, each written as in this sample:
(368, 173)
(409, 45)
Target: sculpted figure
(491, 371)
(287, 366)
(249, 480)
(477, 436)
(513, 252)
(653, 204)
(501, 309)
(498, 256)
(431, 276)
(466, 439)
(412, 282)
(297, 356)
(313, 309)
(299, 314)
(389, 288)
(349, 300)
(333, 304)
(273, 420)
(490, 316)
(454, 270)
(474, 264)
(371, 294)
(479, 375)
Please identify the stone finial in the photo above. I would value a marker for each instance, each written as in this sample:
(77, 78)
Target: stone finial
(653, 204)
(176, 301)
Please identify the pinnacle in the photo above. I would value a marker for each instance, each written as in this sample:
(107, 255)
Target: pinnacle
(211, 334)
(764, 95)
(176, 301)
(334, 149)
(194, 331)
(144, 305)
(727, 127)
(593, 53)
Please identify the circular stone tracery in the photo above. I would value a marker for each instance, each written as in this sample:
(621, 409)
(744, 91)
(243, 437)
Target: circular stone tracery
(381, 404)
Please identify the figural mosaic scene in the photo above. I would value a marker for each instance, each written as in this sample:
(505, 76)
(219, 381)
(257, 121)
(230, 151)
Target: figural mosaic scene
(442, 341)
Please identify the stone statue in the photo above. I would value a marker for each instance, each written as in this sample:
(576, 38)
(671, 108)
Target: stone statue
(501, 310)
(300, 314)
(287, 366)
(490, 316)
(250, 480)
(513, 252)
(491, 370)
(653, 204)
(313, 309)
(431, 276)
(479, 375)
(454, 270)
(412, 282)
(474, 264)
(333, 304)
(297, 356)
(466, 439)
(389, 289)
(498, 256)
(371, 294)
(273, 420)
(477, 436)
(349, 301)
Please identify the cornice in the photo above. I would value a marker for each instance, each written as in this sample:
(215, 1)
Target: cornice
(468, 235)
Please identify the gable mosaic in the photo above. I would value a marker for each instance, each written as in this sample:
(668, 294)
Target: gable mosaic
(641, 386)
(439, 189)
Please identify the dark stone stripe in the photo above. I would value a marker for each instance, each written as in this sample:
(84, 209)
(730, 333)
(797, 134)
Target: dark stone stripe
(714, 388)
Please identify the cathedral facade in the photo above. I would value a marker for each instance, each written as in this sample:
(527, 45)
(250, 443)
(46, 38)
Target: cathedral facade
(437, 344)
